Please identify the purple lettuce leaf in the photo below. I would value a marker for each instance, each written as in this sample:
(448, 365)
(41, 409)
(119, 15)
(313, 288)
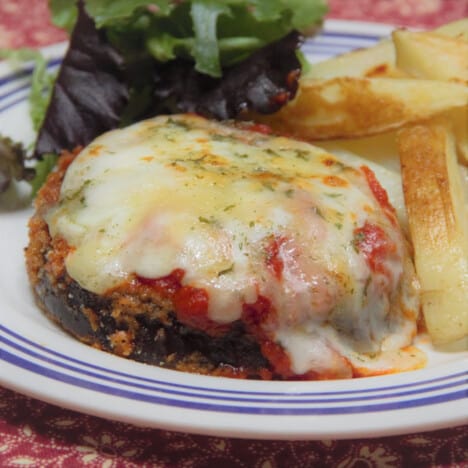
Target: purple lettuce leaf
(89, 94)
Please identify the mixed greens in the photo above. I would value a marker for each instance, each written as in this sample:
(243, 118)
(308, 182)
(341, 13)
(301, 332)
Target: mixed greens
(132, 59)
(213, 33)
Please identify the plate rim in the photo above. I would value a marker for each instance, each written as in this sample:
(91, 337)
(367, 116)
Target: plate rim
(19, 379)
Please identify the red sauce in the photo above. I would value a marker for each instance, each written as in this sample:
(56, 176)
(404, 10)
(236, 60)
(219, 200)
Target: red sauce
(259, 317)
(277, 357)
(374, 243)
(274, 262)
(165, 285)
(259, 128)
(190, 304)
(379, 193)
(256, 314)
(292, 77)
(281, 98)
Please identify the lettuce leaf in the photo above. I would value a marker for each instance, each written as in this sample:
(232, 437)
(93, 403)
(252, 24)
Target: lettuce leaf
(212, 33)
(89, 94)
(263, 83)
(12, 163)
(205, 15)
(64, 13)
(41, 171)
(41, 81)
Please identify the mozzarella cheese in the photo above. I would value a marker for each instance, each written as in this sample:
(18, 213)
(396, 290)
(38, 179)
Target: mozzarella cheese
(244, 215)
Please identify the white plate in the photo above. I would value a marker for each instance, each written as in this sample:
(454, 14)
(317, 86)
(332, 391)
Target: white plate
(38, 359)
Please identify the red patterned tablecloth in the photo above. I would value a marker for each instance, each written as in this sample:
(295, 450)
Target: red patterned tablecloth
(34, 433)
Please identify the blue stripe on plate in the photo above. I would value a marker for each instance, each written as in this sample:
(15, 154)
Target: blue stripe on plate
(365, 37)
(24, 72)
(13, 103)
(197, 405)
(267, 398)
(14, 91)
(21, 88)
(44, 353)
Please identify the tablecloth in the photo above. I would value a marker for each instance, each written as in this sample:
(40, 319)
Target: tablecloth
(34, 433)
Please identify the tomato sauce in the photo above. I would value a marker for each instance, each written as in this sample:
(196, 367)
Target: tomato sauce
(190, 304)
(380, 194)
(374, 243)
(274, 262)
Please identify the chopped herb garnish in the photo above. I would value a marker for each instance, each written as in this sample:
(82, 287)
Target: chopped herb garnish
(220, 137)
(302, 154)
(227, 270)
(318, 212)
(359, 237)
(211, 220)
(271, 152)
(366, 286)
(177, 123)
(78, 194)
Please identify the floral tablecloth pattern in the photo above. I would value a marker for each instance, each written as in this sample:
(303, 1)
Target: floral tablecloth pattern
(37, 434)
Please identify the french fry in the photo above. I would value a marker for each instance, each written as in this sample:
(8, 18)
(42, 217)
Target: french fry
(350, 107)
(457, 29)
(376, 61)
(431, 56)
(434, 197)
(459, 119)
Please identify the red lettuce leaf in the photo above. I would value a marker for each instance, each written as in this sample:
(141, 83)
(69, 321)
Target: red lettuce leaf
(89, 94)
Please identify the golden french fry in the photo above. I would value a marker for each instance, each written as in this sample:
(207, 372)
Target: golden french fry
(376, 61)
(431, 56)
(434, 197)
(354, 107)
(459, 120)
(457, 29)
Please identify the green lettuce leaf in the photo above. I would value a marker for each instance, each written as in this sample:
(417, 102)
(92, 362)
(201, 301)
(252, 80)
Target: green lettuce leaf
(212, 33)
(42, 169)
(205, 15)
(106, 12)
(42, 81)
(63, 13)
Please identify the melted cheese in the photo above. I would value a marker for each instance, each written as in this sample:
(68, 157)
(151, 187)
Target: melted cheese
(183, 192)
